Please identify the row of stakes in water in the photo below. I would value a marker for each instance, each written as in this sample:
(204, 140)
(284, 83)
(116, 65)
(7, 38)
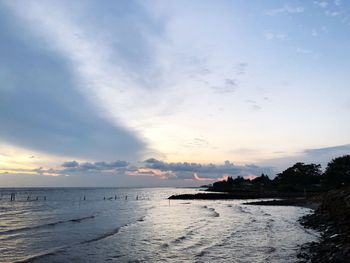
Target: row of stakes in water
(13, 198)
(116, 197)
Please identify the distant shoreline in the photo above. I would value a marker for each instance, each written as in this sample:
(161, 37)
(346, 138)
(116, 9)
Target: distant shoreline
(240, 195)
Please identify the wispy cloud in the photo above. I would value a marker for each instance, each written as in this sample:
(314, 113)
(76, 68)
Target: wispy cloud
(306, 51)
(286, 9)
(197, 143)
(303, 51)
(254, 105)
(228, 86)
(338, 2)
(332, 13)
(273, 35)
(241, 68)
(322, 4)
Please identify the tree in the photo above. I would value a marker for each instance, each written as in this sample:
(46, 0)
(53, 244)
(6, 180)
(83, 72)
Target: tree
(261, 180)
(299, 177)
(337, 173)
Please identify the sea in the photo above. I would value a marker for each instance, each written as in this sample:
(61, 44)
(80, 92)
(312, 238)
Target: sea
(142, 225)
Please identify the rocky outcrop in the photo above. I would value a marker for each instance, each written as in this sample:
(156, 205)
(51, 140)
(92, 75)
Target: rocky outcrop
(332, 219)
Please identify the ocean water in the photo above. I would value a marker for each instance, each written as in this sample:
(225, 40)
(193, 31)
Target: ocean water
(145, 227)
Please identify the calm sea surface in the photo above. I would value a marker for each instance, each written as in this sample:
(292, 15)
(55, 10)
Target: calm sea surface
(145, 227)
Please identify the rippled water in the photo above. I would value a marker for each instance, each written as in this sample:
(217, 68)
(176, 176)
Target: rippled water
(67, 228)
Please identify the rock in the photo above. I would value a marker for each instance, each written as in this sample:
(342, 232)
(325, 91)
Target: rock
(332, 219)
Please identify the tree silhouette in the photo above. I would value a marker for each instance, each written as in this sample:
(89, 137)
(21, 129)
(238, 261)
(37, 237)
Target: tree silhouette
(261, 180)
(337, 173)
(299, 177)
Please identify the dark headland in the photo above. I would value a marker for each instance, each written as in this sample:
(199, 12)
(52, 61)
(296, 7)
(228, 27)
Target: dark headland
(328, 193)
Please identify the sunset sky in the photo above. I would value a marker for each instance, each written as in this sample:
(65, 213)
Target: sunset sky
(158, 93)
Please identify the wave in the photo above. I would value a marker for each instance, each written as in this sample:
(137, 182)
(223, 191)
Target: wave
(269, 224)
(41, 255)
(18, 230)
(191, 231)
(214, 213)
(242, 209)
(180, 239)
(212, 210)
(265, 213)
(57, 250)
(113, 232)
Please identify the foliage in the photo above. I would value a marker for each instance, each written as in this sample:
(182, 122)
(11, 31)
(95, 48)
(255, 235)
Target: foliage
(262, 180)
(299, 177)
(337, 173)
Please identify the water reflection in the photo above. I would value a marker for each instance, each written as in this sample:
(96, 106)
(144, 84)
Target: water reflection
(106, 226)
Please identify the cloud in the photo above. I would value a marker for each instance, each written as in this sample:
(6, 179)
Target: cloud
(150, 172)
(229, 86)
(338, 2)
(197, 143)
(314, 155)
(241, 68)
(304, 51)
(166, 173)
(196, 177)
(332, 13)
(322, 4)
(286, 9)
(70, 164)
(254, 105)
(327, 153)
(186, 170)
(278, 36)
(41, 104)
(307, 52)
(74, 166)
(77, 169)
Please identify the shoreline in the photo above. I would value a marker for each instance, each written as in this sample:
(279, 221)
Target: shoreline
(332, 220)
(302, 202)
(330, 217)
(241, 195)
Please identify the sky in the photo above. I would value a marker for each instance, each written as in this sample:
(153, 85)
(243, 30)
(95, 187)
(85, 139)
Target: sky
(170, 93)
